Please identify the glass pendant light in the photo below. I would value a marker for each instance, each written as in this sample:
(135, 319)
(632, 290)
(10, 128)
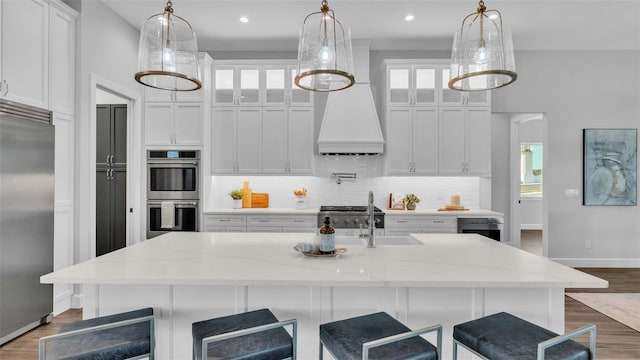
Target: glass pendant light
(167, 56)
(325, 61)
(482, 56)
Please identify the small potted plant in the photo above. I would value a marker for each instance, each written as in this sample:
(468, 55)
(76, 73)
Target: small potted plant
(410, 201)
(236, 195)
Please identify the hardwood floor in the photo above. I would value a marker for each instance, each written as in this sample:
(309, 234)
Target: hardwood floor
(25, 347)
(615, 341)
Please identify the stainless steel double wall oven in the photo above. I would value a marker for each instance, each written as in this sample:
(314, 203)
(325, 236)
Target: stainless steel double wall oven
(173, 187)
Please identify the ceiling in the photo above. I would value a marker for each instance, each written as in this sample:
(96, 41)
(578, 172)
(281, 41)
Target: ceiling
(274, 24)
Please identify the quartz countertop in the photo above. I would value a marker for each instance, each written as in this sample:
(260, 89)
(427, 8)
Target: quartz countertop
(435, 212)
(315, 211)
(262, 211)
(268, 259)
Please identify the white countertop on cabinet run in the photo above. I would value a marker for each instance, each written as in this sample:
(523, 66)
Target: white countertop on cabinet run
(456, 213)
(262, 211)
(314, 211)
(266, 259)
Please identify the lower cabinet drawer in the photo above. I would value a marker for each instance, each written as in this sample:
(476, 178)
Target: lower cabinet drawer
(225, 220)
(214, 228)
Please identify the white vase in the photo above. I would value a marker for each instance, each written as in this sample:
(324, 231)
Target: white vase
(237, 203)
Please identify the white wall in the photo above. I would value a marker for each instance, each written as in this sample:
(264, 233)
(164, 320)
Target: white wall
(433, 192)
(500, 168)
(576, 90)
(107, 48)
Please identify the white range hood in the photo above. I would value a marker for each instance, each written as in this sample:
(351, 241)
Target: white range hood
(350, 124)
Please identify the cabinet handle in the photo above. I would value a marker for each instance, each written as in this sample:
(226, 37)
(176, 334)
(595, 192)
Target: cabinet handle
(402, 221)
(225, 220)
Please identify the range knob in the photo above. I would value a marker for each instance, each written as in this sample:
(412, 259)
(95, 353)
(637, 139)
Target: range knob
(356, 221)
(346, 221)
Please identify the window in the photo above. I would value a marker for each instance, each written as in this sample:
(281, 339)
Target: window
(531, 170)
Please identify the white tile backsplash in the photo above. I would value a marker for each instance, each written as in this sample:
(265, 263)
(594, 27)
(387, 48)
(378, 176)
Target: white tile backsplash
(434, 191)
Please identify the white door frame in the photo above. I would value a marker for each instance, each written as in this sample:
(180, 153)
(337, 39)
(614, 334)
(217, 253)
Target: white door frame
(134, 116)
(514, 176)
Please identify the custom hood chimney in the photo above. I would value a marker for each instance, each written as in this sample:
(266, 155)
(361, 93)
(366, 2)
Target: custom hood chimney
(350, 124)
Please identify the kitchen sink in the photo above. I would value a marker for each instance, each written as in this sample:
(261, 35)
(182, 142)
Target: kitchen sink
(380, 240)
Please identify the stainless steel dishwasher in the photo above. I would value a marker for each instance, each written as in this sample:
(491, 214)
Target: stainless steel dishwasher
(491, 227)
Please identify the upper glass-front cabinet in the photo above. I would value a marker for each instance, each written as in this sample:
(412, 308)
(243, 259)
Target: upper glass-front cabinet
(425, 83)
(454, 97)
(257, 84)
(280, 87)
(411, 85)
(237, 85)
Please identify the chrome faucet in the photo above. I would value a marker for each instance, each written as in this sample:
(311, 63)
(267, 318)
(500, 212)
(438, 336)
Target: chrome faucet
(371, 241)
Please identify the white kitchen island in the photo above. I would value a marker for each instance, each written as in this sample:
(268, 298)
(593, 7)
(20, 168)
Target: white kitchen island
(450, 278)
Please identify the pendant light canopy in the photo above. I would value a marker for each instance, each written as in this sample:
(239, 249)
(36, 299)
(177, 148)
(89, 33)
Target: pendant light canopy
(167, 56)
(482, 56)
(325, 61)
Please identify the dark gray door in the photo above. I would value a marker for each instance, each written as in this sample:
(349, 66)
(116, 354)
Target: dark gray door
(111, 178)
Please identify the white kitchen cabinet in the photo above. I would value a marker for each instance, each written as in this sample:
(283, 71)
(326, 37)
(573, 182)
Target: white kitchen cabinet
(280, 88)
(282, 223)
(411, 84)
(24, 52)
(287, 140)
(399, 225)
(173, 123)
(412, 140)
(225, 223)
(448, 97)
(62, 35)
(236, 140)
(158, 95)
(237, 85)
(260, 223)
(464, 138)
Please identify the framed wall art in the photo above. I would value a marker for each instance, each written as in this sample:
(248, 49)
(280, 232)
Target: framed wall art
(610, 167)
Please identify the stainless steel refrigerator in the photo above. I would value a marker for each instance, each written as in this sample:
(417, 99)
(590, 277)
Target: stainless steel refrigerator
(26, 217)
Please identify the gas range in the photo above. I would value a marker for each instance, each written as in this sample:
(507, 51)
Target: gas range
(350, 217)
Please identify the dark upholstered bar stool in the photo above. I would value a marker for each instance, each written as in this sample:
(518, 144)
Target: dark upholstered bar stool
(504, 336)
(128, 335)
(251, 335)
(377, 336)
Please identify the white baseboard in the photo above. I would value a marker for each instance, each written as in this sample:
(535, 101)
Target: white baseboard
(62, 302)
(598, 262)
(76, 301)
(531, 227)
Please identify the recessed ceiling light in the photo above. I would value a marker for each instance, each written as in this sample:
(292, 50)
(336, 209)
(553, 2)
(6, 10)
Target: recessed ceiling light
(408, 17)
(244, 19)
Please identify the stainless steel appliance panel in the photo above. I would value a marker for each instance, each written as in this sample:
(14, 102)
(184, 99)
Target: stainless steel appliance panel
(350, 217)
(173, 174)
(26, 217)
(490, 227)
(186, 217)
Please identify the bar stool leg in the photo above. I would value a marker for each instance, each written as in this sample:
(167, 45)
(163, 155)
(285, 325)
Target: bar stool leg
(455, 350)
